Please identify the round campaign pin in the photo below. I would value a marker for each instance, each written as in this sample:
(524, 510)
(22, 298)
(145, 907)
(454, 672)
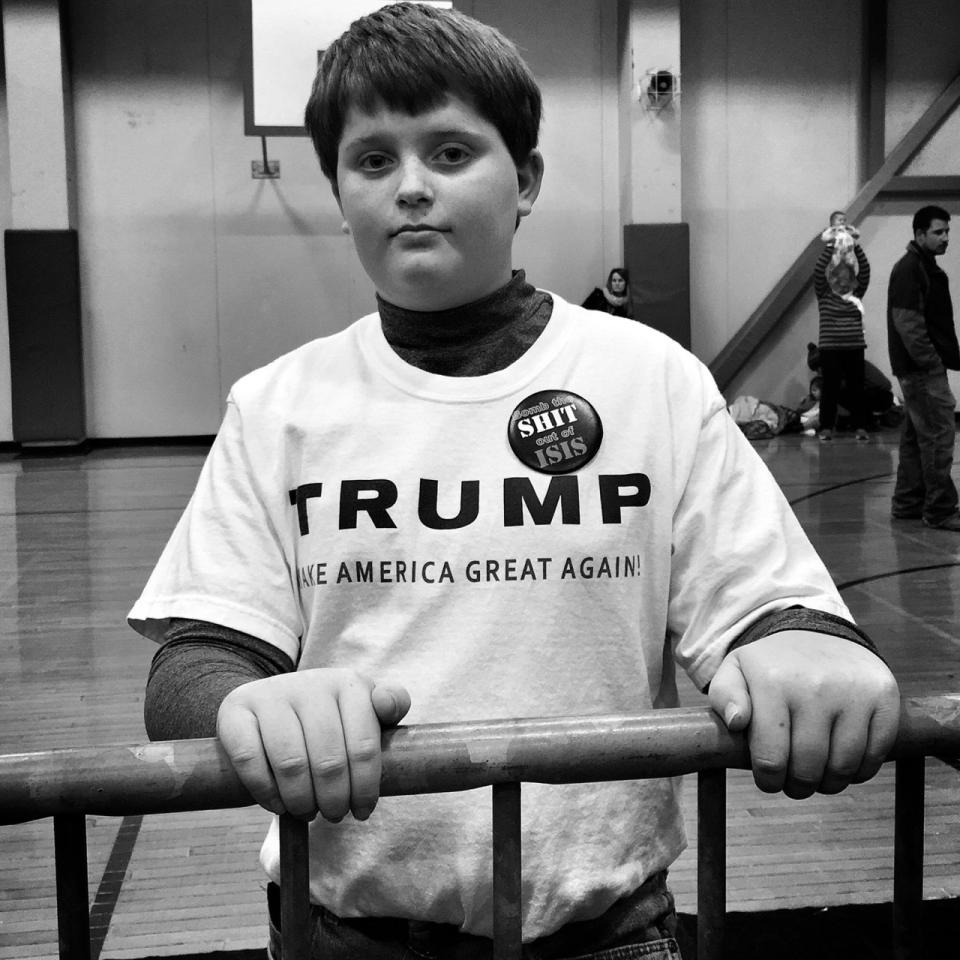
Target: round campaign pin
(555, 431)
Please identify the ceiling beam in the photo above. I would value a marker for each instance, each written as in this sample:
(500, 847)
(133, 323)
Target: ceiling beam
(873, 87)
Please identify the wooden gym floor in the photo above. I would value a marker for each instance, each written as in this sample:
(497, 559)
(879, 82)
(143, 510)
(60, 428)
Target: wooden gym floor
(80, 535)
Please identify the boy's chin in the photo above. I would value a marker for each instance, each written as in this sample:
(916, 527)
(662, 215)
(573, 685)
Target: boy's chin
(428, 295)
(417, 303)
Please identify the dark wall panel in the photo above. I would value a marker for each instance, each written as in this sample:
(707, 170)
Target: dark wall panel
(46, 347)
(658, 258)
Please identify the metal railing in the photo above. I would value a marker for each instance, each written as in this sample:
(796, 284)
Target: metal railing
(176, 776)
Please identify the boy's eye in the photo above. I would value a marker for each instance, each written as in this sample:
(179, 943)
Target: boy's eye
(453, 155)
(373, 162)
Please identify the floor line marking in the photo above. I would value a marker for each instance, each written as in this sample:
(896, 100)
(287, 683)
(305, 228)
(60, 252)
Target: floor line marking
(114, 873)
(919, 621)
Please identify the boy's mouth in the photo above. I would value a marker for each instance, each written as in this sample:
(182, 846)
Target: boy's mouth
(417, 228)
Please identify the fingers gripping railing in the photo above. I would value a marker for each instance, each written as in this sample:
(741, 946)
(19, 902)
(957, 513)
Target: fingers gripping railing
(435, 758)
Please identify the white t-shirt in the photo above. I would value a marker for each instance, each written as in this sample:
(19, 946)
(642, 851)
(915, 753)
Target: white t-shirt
(356, 511)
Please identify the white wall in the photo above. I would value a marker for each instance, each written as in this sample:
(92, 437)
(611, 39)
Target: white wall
(921, 63)
(814, 118)
(193, 273)
(650, 151)
(6, 221)
(573, 237)
(770, 93)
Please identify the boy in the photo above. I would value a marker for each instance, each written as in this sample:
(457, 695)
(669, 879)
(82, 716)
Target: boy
(473, 504)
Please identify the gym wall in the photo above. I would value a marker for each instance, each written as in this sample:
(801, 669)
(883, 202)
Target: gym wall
(192, 273)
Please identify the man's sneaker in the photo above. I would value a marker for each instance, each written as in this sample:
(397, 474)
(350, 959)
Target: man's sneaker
(825, 435)
(950, 523)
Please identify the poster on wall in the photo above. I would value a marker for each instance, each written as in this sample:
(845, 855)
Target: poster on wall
(285, 40)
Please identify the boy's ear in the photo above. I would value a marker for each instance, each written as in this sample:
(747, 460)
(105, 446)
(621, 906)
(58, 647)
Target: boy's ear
(529, 178)
(344, 227)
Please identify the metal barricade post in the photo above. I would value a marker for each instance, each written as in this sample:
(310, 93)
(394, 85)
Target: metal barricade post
(435, 758)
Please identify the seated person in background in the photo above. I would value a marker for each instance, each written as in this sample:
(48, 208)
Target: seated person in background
(424, 515)
(614, 298)
(878, 398)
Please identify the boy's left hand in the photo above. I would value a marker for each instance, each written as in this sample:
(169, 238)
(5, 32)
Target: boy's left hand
(821, 712)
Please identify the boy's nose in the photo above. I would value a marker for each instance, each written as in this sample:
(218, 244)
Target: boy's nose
(414, 187)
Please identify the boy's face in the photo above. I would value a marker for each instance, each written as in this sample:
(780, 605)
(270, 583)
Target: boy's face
(432, 202)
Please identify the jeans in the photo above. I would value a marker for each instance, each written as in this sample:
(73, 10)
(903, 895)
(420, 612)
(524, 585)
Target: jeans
(841, 374)
(924, 485)
(642, 925)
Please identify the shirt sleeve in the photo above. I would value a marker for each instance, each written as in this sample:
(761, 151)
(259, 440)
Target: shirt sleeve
(197, 666)
(227, 561)
(863, 272)
(906, 290)
(907, 298)
(739, 552)
(820, 270)
(800, 618)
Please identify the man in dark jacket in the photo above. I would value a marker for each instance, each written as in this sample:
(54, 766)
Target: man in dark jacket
(923, 345)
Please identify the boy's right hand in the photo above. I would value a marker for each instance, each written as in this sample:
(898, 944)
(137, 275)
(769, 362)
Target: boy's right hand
(309, 741)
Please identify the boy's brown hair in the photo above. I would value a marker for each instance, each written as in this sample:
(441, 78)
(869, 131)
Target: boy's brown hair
(409, 57)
